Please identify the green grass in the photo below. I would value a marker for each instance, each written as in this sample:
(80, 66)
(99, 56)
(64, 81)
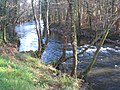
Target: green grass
(14, 77)
(28, 73)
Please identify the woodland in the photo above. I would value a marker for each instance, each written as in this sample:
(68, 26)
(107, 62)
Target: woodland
(78, 26)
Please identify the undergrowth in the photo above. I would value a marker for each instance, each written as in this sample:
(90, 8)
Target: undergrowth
(27, 73)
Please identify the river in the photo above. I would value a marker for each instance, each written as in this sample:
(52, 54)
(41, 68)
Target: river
(105, 74)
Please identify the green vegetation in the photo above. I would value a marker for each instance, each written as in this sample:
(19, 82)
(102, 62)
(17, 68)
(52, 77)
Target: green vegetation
(26, 73)
(14, 76)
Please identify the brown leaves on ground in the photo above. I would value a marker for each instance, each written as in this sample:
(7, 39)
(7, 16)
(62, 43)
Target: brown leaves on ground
(8, 49)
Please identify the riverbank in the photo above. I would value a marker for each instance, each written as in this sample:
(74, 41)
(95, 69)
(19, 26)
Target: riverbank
(20, 71)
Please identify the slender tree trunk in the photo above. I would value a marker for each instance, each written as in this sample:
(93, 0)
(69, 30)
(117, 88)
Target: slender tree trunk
(113, 3)
(73, 36)
(118, 21)
(63, 57)
(4, 24)
(89, 16)
(47, 28)
(79, 15)
(107, 29)
(47, 19)
(40, 33)
(37, 30)
(58, 13)
(14, 17)
(4, 33)
(47, 25)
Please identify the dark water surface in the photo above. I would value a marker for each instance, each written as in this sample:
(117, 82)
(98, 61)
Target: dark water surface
(105, 74)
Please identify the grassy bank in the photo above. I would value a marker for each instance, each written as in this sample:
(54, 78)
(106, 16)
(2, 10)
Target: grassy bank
(22, 72)
(14, 76)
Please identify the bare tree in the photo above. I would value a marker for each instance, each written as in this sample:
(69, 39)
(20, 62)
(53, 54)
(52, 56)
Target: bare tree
(38, 30)
(41, 44)
(105, 34)
(73, 35)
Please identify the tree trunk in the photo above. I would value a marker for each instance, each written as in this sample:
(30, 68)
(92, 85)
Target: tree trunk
(4, 23)
(113, 3)
(118, 21)
(43, 45)
(4, 33)
(73, 36)
(14, 17)
(89, 16)
(58, 13)
(36, 25)
(79, 16)
(40, 33)
(107, 29)
(62, 58)
(47, 19)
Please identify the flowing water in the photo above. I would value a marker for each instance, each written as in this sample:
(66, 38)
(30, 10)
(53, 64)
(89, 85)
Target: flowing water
(105, 74)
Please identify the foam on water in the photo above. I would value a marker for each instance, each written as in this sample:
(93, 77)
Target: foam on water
(92, 50)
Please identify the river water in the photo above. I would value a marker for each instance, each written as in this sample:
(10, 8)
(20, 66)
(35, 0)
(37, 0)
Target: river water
(105, 74)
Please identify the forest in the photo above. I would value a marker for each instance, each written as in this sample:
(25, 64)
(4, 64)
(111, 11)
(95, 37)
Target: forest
(59, 44)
